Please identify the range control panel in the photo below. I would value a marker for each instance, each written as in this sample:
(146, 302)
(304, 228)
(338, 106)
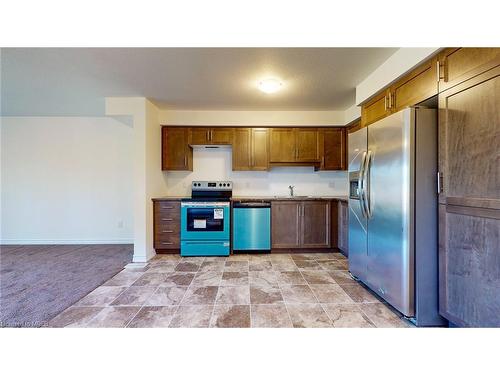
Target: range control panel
(212, 185)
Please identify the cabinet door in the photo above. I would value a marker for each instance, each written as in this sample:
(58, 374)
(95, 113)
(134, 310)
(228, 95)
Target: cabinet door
(282, 145)
(260, 150)
(420, 84)
(469, 210)
(334, 149)
(176, 153)
(307, 145)
(376, 108)
(344, 229)
(200, 136)
(285, 224)
(221, 136)
(241, 149)
(334, 224)
(315, 224)
(460, 64)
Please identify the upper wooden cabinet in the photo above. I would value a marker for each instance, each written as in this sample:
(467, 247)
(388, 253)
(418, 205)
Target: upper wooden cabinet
(282, 145)
(415, 87)
(333, 148)
(307, 145)
(250, 149)
(211, 136)
(176, 153)
(258, 149)
(460, 64)
(376, 108)
(294, 145)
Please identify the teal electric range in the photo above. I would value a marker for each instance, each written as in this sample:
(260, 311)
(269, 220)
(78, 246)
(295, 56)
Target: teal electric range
(205, 219)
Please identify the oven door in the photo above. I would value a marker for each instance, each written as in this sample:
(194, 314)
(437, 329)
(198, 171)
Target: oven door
(205, 220)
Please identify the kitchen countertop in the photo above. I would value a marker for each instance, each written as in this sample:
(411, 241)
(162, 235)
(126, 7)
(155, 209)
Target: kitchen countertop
(269, 198)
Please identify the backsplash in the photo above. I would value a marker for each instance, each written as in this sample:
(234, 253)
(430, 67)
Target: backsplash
(215, 164)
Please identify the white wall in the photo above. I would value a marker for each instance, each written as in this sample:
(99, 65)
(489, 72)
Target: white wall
(215, 164)
(149, 180)
(66, 180)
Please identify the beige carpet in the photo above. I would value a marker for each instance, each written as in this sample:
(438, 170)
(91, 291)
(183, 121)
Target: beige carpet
(39, 281)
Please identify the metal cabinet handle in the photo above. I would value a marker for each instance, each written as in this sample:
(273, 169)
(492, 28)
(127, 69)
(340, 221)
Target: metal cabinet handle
(439, 183)
(167, 231)
(167, 243)
(208, 135)
(167, 219)
(211, 135)
(167, 207)
(385, 103)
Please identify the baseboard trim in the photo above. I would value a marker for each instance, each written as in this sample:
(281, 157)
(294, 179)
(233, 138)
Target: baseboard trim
(126, 241)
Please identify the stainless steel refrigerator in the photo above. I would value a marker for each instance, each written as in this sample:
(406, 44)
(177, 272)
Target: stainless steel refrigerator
(393, 212)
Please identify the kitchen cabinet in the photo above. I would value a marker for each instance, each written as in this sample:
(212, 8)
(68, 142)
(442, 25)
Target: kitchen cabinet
(343, 227)
(250, 149)
(460, 64)
(211, 136)
(376, 108)
(282, 145)
(469, 197)
(285, 224)
(415, 87)
(333, 147)
(176, 153)
(315, 223)
(294, 145)
(300, 224)
(307, 145)
(166, 224)
(260, 149)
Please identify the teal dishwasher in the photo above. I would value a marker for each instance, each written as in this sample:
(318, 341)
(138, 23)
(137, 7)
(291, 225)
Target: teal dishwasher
(251, 226)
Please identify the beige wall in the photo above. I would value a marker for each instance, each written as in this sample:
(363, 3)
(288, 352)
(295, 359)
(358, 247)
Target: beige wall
(252, 118)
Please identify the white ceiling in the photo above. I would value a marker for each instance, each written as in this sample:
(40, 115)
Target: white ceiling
(74, 81)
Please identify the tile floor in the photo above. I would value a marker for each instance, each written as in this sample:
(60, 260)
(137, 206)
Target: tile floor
(270, 290)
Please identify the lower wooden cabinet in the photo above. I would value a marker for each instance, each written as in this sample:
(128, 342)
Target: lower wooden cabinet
(343, 227)
(167, 225)
(285, 224)
(300, 224)
(315, 222)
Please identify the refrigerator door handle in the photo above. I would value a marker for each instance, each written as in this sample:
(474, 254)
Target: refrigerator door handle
(361, 185)
(366, 187)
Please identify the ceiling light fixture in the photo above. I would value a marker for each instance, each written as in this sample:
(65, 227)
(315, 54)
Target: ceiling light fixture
(270, 85)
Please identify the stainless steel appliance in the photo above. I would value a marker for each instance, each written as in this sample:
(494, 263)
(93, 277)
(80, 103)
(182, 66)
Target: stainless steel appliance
(393, 212)
(205, 219)
(252, 226)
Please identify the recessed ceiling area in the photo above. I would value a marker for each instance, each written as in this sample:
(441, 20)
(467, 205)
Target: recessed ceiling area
(75, 81)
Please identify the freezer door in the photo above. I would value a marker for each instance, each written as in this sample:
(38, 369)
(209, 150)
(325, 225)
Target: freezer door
(389, 201)
(357, 220)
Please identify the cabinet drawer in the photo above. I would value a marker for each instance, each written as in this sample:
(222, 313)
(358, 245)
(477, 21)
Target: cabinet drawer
(172, 227)
(167, 242)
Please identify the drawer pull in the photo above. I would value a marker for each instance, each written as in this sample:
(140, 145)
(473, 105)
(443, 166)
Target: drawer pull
(167, 207)
(167, 243)
(167, 231)
(167, 219)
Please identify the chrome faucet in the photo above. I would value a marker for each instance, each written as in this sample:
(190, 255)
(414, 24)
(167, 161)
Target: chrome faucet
(291, 190)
